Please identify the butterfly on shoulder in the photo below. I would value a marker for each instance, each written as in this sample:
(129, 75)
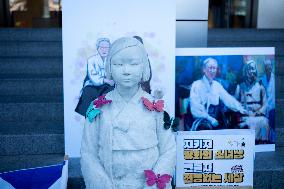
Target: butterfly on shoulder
(170, 122)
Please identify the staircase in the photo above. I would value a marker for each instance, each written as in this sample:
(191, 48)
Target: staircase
(31, 100)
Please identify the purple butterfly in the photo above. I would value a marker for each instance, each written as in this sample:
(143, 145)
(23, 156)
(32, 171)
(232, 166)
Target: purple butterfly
(160, 180)
(101, 101)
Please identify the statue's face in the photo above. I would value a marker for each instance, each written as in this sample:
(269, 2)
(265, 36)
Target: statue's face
(127, 67)
(103, 48)
(251, 72)
(210, 69)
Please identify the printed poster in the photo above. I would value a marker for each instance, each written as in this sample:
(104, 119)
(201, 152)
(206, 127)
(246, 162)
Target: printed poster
(89, 28)
(227, 88)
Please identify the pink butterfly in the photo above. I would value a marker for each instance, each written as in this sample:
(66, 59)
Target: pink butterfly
(101, 101)
(158, 106)
(161, 181)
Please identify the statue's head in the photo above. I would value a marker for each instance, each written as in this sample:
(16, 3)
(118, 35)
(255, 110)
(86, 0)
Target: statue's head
(250, 71)
(127, 62)
(268, 66)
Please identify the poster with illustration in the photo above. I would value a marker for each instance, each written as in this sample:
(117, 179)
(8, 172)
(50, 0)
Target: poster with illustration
(89, 29)
(227, 88)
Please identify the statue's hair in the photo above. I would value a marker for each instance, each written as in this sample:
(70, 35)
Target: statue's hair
(246, 66)
(121, 44)
(267, 61)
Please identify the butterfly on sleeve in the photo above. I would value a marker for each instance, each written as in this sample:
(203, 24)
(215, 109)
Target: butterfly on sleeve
(94, 110)
(170, 122)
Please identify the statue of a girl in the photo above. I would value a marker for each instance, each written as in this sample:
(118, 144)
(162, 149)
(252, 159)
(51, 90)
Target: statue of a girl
(125, 144)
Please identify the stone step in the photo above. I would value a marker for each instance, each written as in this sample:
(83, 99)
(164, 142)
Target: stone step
(279, 67)
(31, 144)
(31, 67)
(30, 49)
(31, 127)
(75, 178)
(279, 113)
(279, 137)
(245, 35)
(31, 34)
(11, 163)
(266, 175)
(31, 86)
(31, 112)
(55, 34)
(269, 169)
(30, 98)
(279, 86)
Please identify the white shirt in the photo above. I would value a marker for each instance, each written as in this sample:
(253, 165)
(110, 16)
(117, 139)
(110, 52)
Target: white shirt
(202, 94)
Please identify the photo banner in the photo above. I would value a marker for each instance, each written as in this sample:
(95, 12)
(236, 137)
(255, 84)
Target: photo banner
(227, 88)
(215, 158)
(89, 28)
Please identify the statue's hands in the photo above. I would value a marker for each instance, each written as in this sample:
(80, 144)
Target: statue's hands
(109, 82)
(213, 121)
(257, 113)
